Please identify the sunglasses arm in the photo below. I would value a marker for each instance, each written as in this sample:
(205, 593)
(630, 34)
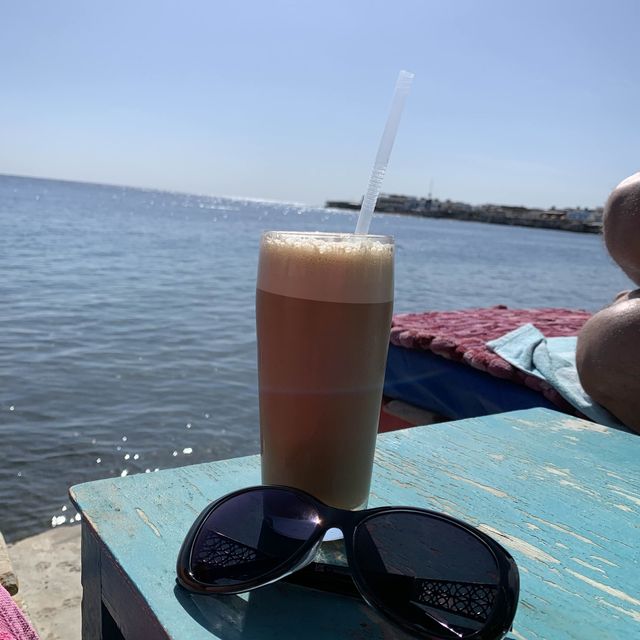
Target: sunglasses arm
(325, 577)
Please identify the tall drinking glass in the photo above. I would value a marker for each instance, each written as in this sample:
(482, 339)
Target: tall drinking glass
(323, 313)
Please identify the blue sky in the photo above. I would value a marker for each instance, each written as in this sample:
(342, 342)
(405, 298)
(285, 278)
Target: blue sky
(514, 101)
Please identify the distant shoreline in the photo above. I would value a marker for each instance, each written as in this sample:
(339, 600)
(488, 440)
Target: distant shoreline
(398, 205)
(489, 217)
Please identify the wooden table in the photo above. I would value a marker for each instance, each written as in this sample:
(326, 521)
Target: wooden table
(562, 494)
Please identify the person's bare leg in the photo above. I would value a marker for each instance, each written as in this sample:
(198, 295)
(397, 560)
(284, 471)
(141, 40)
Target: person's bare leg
(622, 226)
(608, 358)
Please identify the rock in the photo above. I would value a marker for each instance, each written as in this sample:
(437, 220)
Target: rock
(8, 577)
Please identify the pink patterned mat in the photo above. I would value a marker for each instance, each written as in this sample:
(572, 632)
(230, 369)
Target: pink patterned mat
(13, 624)
(462, 335)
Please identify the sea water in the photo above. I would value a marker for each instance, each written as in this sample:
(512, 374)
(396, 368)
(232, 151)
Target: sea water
(127, 321)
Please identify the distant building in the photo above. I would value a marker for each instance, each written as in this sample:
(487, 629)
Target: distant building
(554, 214)
(393, 202)
(450, 205)
(585, 215)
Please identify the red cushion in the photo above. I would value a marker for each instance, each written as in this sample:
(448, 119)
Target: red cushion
(462, 336)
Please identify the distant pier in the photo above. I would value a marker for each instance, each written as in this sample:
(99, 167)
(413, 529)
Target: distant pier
(577, 220)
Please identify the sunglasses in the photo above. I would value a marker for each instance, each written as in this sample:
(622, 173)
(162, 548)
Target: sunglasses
(432, 575)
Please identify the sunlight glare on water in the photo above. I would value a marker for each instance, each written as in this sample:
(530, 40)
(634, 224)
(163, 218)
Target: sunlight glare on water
(128, 339)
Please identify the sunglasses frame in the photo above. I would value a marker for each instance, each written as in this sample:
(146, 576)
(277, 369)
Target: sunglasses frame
(498, 624)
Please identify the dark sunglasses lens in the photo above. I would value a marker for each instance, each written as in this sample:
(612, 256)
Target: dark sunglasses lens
(427, 572)
(250, 535)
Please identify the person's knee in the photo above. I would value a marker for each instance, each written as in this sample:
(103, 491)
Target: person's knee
(608, 359)
(622, 226)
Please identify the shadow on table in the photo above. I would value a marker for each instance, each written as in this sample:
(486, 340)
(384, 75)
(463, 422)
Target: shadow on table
(285, 611)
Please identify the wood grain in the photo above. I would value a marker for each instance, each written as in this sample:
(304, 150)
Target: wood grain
(562, 494)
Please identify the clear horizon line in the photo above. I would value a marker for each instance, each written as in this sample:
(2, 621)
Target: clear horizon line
(138, 187)
(288, 202)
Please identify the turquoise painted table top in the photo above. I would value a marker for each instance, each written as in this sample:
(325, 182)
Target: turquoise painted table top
(561, 494)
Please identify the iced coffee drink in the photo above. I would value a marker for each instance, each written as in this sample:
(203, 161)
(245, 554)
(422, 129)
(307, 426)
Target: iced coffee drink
(323, 312)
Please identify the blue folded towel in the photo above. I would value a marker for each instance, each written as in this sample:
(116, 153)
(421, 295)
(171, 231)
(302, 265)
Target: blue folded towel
(553, 360)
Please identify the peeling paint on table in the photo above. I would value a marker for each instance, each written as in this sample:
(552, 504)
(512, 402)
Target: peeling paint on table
(562, 494)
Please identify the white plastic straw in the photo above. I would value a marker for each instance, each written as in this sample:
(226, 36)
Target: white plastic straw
(403, 84)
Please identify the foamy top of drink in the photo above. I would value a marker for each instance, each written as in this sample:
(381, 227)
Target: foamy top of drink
(327, 267)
